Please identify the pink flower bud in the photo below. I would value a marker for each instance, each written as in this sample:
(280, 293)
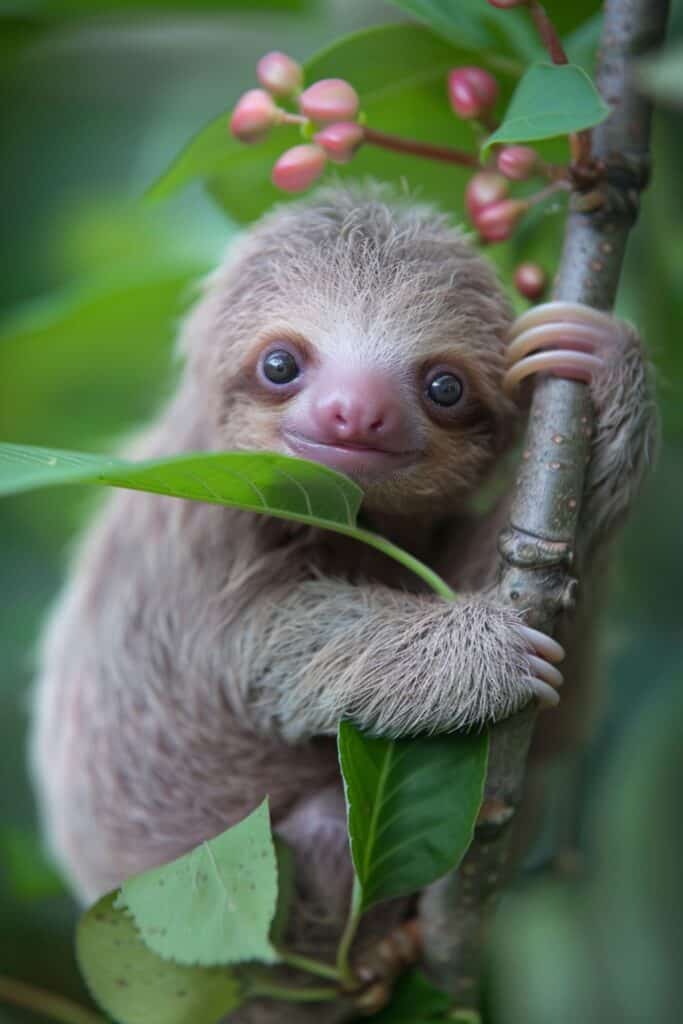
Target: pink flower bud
(340, 141)
(472, 91)
(530, 280)
(505, 4)
(254, 116)
(330, 99)
(496, 222)
(484, 188)
(298, 168)
(517, 162)
(279, 74)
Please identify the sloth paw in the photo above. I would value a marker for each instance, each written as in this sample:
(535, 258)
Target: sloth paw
(564, 339)
(545, 679)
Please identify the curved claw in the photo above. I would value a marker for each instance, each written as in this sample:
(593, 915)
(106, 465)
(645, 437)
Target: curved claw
(543, 644)
(568, 312)
(576, 337)
(559, 362)
(546, 696)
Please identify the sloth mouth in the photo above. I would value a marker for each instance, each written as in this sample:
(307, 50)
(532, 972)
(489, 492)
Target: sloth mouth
(350, 457)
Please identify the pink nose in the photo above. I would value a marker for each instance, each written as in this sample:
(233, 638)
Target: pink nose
(361, 408)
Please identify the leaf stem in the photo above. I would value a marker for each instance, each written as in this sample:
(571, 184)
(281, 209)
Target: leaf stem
(431, 578)
(444, 154)
(285, 993)
(304, 963)
(349, 934)
(18, 993)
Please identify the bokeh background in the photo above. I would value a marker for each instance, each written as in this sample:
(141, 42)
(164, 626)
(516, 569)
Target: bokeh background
(97, 98)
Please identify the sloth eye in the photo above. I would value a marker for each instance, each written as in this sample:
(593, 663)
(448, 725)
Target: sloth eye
(280, 367)
(445, 389)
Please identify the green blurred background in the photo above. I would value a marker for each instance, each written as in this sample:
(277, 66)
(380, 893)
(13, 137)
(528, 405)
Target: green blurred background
(97, 99)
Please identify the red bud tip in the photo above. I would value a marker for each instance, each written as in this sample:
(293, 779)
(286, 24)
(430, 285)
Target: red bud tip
(517, 162)
(472, 91)
(505, 4)
(495, 223)
(484, 188)
(340, 141)
(254, 116)
(530, 280)
(298, 168)
(330, 99)
(279, 74)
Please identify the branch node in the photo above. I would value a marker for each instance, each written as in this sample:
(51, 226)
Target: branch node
(526, 550)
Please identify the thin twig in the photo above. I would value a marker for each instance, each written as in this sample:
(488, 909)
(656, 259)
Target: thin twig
(538, 544)
(445, 154)
(47, 1004)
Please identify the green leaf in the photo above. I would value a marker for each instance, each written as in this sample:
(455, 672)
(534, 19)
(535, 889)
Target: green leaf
(135, 986)
(400, 74)
(216, 904)
(475, 26)
(56, 9)
(550, 100)
(414, 1001)
(412, 805)
(265, 482)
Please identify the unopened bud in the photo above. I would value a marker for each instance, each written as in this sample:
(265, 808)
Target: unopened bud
(495, 223)
(330, 99)
(484, 188)
(279, 74)
(340, 141)
(254, 116)
(517, 162)
(472, 91)
(504, 4)
(298, 168)
(530, 280)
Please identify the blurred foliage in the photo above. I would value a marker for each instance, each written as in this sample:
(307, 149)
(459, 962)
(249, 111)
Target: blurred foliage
(92, 287)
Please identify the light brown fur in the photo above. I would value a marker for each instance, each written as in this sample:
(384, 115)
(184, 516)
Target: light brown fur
(201, 658)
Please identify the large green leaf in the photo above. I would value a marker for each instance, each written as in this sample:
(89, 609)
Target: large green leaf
(550, 100)
(265, 482)
(262, 482)
(412, 805)
(400, 73)
(414, 1001)
(216, 904)
(135, 986)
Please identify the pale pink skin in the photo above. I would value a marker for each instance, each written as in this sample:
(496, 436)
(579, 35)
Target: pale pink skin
(472, 91)
(483, 189)
(340, 141)
(330, 99)
(495, 223)
(279, 74)
(564, 339)
(298, 168)
(517, 162)
(530, 280)
(254, 116)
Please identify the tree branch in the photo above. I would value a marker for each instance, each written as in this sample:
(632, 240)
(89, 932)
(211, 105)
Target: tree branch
(537, 548)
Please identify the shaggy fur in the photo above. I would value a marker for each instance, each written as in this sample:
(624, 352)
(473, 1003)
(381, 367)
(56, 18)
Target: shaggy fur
(203, 657)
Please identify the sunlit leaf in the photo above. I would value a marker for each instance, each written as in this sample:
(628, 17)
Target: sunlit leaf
(403, 833)
(215, 905)
(550, 100)
(135, 986)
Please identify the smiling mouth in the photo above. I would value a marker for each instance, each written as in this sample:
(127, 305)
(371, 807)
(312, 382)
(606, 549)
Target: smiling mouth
(350, 458)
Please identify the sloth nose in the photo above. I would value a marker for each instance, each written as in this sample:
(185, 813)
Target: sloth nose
(359, 409)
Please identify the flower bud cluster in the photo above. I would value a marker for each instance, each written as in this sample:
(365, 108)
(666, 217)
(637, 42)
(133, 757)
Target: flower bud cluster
(331, 104)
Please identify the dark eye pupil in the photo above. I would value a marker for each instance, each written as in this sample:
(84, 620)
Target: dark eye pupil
(445, 389)
(280, 367)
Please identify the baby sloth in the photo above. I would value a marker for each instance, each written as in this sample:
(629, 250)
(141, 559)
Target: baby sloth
(203, 657)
